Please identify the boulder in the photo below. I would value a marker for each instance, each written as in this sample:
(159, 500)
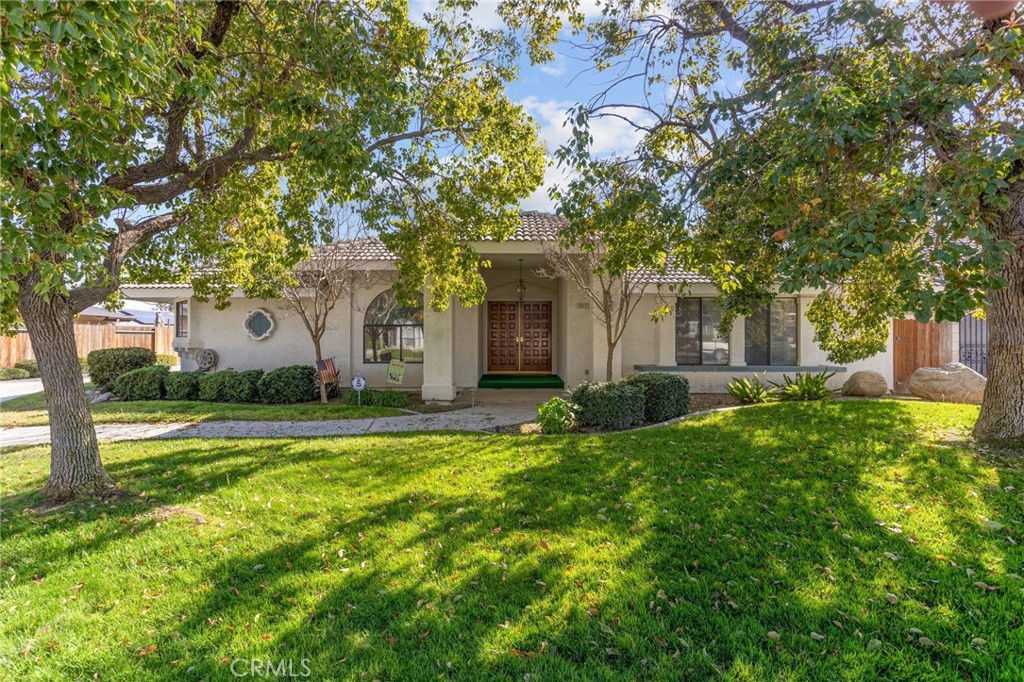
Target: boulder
(866, 383)
(952, 383)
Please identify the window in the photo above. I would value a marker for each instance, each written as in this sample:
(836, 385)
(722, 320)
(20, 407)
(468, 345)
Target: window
(181, 319)
(393, 331)
(697, 338)
(259, 324)
(771, 334)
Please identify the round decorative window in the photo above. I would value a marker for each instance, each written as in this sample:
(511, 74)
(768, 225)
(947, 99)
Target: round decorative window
(259, 324)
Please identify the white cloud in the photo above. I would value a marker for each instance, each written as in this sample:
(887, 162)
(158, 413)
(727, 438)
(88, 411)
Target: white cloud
(611, 135)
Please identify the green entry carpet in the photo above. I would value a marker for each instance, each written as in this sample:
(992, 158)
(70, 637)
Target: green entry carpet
(520, 381)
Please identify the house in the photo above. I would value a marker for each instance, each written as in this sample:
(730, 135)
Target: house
(97, 315)
(528, 327)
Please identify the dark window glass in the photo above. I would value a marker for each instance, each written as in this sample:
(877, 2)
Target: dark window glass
(181, 319)
(771, 334)
(393, 331)
(259, 325)
(697, 333)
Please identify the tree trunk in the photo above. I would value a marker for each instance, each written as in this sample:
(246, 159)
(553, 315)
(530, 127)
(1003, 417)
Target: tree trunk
(75, 467)
(1002, 411)
(319, 356)
(609, 367)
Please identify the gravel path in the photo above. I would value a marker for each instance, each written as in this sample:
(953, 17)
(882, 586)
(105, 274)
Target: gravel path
(479, 418)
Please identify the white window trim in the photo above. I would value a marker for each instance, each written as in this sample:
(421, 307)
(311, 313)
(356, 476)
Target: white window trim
(252, 313)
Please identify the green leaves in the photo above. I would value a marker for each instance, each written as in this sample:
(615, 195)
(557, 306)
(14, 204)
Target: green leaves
(238, 124)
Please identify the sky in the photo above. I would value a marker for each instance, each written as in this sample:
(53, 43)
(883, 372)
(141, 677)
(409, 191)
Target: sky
(548, 91)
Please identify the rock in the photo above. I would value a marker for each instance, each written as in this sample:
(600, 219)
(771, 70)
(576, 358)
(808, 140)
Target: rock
(866, 383)
(952, 383)
(102, 397)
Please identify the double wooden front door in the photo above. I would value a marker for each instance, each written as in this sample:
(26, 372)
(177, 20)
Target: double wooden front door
(519, 336)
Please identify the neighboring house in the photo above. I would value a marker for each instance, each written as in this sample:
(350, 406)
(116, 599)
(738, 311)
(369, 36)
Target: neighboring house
(96, 315)
(533, 326)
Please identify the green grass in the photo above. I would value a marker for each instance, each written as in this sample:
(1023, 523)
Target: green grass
(30, 410)
(668, 554)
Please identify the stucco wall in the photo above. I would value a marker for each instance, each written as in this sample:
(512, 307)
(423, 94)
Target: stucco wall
(578, 352)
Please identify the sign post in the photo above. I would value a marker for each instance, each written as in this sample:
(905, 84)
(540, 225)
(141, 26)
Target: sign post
(358, 385)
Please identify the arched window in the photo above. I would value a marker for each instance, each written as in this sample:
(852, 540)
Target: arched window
(393, 331)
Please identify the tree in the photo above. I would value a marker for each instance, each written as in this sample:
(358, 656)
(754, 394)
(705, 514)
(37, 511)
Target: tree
(161, 140)
(332, 271)
(614, 297)
(603, 250)
(872, 151)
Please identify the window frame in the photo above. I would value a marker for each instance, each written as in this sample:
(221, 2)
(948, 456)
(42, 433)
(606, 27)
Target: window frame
(768, 334)
(180, 331)
(700, 334)
(401, 330)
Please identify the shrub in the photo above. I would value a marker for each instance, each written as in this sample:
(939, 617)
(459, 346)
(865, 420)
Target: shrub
(182, 385)
(666, 396)
(391, 399)
(557, 416)
(749, 391)
(30, 366)
(613, 406)
(353, 397)
(83, 365)
(146, 383)
(167, 359)
(9, 373)
(229, 386)
(107, 365)
(292, 384)
(805, 386)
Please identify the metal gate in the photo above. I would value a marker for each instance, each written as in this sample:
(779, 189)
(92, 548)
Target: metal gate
(974, 344)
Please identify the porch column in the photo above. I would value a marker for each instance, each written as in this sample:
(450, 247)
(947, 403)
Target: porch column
(737, 343)
(666, 327)
(438, 354)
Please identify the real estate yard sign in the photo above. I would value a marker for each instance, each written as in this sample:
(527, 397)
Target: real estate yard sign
(396, 372)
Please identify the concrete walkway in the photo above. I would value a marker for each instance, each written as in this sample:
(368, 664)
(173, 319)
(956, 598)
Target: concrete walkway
(492, 409)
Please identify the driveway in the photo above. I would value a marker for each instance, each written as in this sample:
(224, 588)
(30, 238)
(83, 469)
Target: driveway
(19, 387)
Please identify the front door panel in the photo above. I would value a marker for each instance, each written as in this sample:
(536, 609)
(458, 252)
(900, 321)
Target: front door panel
(519, 336)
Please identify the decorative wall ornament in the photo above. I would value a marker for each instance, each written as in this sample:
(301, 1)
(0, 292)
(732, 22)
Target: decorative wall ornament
(259, 324)
(206, 359)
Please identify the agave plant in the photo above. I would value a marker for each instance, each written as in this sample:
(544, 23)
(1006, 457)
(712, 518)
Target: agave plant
(749, 391)
(804, 386)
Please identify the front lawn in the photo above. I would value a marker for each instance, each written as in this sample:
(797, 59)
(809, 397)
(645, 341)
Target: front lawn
(832, 541)
(30, 410)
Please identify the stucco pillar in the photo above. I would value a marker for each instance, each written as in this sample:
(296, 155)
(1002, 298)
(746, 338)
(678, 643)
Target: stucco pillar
(438, 354)
(737, 343)
(666, 328)
(807, 350)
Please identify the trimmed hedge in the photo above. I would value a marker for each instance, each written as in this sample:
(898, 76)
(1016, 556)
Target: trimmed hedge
(30, 366)
(614, 406)
(182, 385)
(146, 383)
(83, 365)
(10, 373)
(666, 396)
(107, 365)
(229, 386)
(292, 384)
(167, 359)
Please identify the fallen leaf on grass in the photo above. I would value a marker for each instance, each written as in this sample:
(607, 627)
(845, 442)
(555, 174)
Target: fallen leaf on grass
(816, 637)
(892, 598)
(151, 649)
(874, 644)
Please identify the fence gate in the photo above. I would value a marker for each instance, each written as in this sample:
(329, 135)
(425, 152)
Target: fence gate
(974, 344)
(916, 345)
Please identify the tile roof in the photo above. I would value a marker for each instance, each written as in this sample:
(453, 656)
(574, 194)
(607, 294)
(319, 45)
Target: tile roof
(671, 275)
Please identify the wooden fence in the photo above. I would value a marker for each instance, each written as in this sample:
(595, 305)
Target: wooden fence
(918, 345)
(90, 337)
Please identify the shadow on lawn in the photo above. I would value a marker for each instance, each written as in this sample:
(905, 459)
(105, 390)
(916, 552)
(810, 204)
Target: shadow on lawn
(590, 558)
(664, 555)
